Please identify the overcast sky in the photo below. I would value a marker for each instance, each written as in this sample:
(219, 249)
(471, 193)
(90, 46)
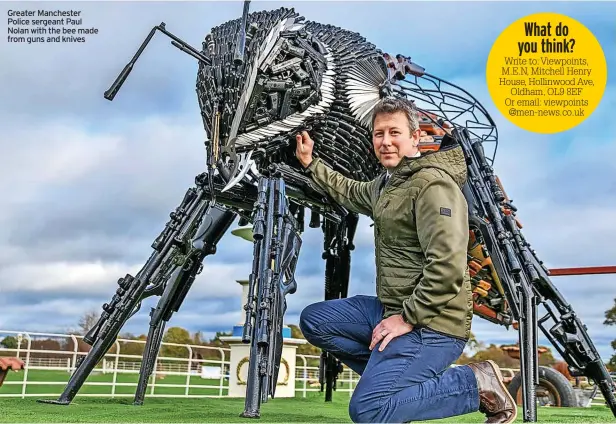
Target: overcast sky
(87, 184)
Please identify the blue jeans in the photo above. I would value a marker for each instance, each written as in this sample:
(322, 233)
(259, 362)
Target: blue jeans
(410, 380)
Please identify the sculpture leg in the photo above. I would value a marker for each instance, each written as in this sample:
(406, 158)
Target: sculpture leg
(569, 336)
(276, 250)
(509, 256)
(526, 284)
(85, 365)
(150, 352)
(133, 290)
(529, 362)
(338, 244)
(214, 224)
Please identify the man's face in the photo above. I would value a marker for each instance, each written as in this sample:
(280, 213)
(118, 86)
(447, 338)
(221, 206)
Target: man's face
(392, 138)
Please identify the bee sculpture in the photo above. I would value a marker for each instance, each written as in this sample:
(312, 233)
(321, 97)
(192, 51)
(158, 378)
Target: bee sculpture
(265, 77)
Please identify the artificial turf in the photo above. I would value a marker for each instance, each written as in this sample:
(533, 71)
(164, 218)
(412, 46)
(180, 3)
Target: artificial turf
(311, 409)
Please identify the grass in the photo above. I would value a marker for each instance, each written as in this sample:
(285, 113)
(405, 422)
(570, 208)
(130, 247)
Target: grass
(127, 381)
(312, 408)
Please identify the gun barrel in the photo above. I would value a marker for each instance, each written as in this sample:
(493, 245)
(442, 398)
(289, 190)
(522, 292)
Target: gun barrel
(117, 84)
(119, 81)
(238, 57)
(186, 49)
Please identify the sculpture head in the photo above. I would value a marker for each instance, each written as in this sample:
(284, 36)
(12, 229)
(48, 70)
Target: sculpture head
(395, 131)
(295, 75)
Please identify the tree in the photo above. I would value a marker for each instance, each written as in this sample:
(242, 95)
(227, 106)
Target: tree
(9, 342)
(610, 319)
(132, 348)
(474, 344)
(216, 340)
(493, 352)
(612, 364)
(88, 320)
(610, 315)
(199, 339)
(296, 332)
(547, 358)
(177, 335)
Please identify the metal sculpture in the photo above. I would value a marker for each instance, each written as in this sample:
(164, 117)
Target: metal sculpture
(263, 78)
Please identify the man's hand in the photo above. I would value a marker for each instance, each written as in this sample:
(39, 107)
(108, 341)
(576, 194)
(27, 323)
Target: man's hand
(303, 151)
(388, 329)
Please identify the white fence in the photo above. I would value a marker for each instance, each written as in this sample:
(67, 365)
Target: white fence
(203, 372)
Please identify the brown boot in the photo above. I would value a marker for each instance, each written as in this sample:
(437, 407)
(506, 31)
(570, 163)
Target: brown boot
(494, 399)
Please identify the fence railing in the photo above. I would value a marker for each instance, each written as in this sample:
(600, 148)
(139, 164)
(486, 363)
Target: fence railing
(203, 371)
(50, 359)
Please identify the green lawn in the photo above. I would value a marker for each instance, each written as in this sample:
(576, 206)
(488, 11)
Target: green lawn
(310, 409)
(60, 378)
(176, 410)
(127, 381)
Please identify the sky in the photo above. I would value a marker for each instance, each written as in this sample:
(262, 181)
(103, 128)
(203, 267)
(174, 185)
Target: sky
(86, 184)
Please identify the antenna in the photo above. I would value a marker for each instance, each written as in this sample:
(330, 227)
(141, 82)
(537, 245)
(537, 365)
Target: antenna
(182, 45)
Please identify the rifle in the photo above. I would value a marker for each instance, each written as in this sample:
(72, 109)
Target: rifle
(276, 251)
(492, 217)
(191, 234)
(338, 244)
(189, 263)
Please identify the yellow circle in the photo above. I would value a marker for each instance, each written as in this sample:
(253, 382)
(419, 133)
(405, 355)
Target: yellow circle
(546, 73)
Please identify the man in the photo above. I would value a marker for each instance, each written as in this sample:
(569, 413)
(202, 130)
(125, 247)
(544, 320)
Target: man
(403, 341)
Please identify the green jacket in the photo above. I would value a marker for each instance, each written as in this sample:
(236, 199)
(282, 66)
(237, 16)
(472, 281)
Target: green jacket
(421, 236)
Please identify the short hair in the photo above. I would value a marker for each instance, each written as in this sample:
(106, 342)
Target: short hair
(389, 105)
